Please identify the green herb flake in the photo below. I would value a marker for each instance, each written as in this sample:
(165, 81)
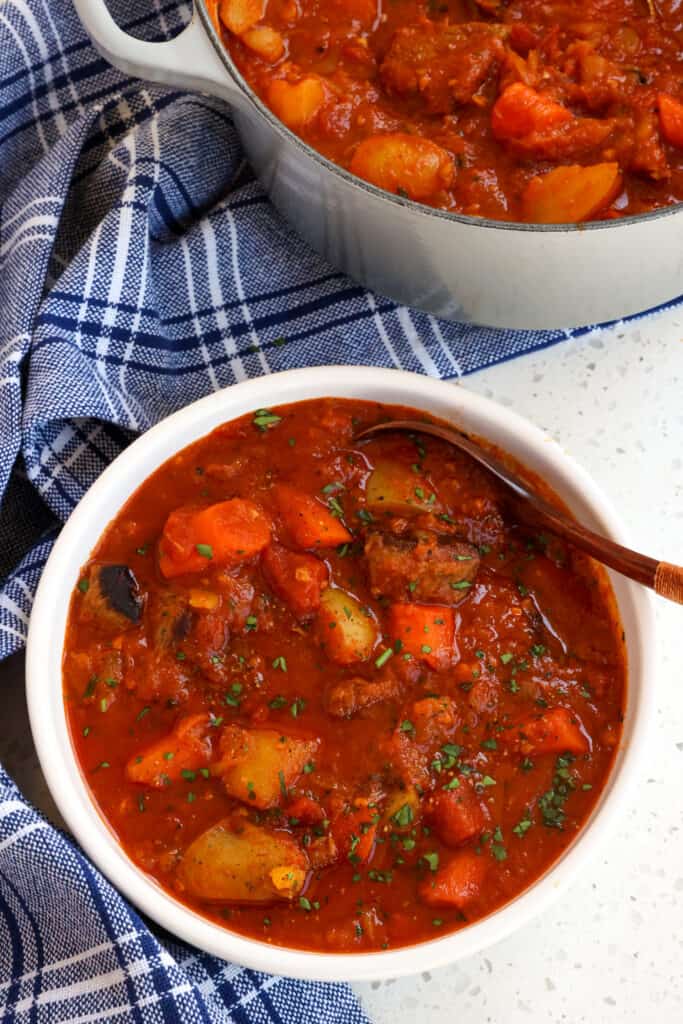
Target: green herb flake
(280, 663)
(188, 774)
(84, 586)
(283, 784)
(489, 744)
(264, 419)
(406, 726)
(305, 904)
(538, 650)
(506, 658)
(432, 859)
(522, 827)
(277, 702)
(205, 550)
(461, 585)
(384, 657)
(488, 781)
(403, 816)
(309, 767)
(86, 731)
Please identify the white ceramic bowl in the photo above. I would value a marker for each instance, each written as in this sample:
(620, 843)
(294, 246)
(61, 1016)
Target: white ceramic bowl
(46, 637)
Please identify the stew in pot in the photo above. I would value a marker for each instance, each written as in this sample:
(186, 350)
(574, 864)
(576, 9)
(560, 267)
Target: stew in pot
(336, 696)
(527, 110)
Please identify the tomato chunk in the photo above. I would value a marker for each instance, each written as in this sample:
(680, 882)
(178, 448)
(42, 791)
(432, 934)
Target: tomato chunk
(456, 882)
(671, 119)
(425, 631)
(456, 815)
(571, 194)
(298, 579)
(557, 731)
(226, 534)
(306, 519)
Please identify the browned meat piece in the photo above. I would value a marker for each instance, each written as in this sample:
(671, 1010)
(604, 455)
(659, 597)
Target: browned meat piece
(111, 597)
(425, 726)
(427, 567)
(444, 64)
(346, 698)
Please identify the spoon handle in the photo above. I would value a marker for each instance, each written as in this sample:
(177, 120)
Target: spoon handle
(669, 581)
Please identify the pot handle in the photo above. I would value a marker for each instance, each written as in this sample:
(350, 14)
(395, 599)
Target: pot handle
(188, 61)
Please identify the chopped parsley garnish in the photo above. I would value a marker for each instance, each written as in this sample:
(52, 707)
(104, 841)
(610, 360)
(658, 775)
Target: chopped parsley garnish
(283, 784)
(489, 744)
(297, 707)
(406, 726)
(454, 783)
(277, 702)
(461, 585)
(538, 650)
(552, 803)
(432, 859)
(506, 658)
(205, 550)
(188, 774)
(403, 816)
(335, 508)
(280, 663)
(426, 649)
(264, 419)
(522, 827)
(364, 515)
(251, 623)
(384, 657)
(309, 767)
(84, 586)
(488, 781)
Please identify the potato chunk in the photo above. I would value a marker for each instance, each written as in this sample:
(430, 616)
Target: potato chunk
(241, 15)
(238, 862)
(395, 489)
(404, 164)
(346, 631)
(259, 766)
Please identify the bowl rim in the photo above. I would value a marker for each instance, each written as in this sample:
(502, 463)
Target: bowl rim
(420, 208)
(104, 500)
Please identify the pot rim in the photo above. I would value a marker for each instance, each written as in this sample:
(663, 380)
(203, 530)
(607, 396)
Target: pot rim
(110, 492)
(409, 204)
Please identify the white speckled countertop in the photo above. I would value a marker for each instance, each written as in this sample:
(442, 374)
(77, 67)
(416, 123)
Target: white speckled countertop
(611, 949)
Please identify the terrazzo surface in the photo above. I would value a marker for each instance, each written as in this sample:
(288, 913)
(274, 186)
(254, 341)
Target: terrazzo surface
(611, 948)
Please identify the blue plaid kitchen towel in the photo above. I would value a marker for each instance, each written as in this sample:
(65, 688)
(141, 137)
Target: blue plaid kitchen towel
(141, 266)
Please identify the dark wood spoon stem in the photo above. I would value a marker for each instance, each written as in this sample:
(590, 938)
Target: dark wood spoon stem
(662, 577)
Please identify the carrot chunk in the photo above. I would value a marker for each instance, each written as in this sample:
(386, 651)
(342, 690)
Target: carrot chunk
(309, 523)
(187, 748)
(225, 534)
(520, 110)
(455, 814)
(354, 833)
(671, 119)
(456, 882)
(557, 731)
(571, 194)
(298, 579)
(425, 631)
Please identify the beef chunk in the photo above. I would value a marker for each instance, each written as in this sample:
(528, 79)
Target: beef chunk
(112, 598)
(443, 64)
(426, 567)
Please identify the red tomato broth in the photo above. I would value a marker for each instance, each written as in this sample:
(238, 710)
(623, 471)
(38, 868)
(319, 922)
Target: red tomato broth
(382, 71)
(535, 631)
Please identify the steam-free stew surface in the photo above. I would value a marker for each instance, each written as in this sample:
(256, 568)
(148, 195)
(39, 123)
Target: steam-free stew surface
(530, 110)
(335, 696)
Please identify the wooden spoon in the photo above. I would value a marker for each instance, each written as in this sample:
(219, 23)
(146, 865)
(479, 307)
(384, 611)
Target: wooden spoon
(662, 577)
